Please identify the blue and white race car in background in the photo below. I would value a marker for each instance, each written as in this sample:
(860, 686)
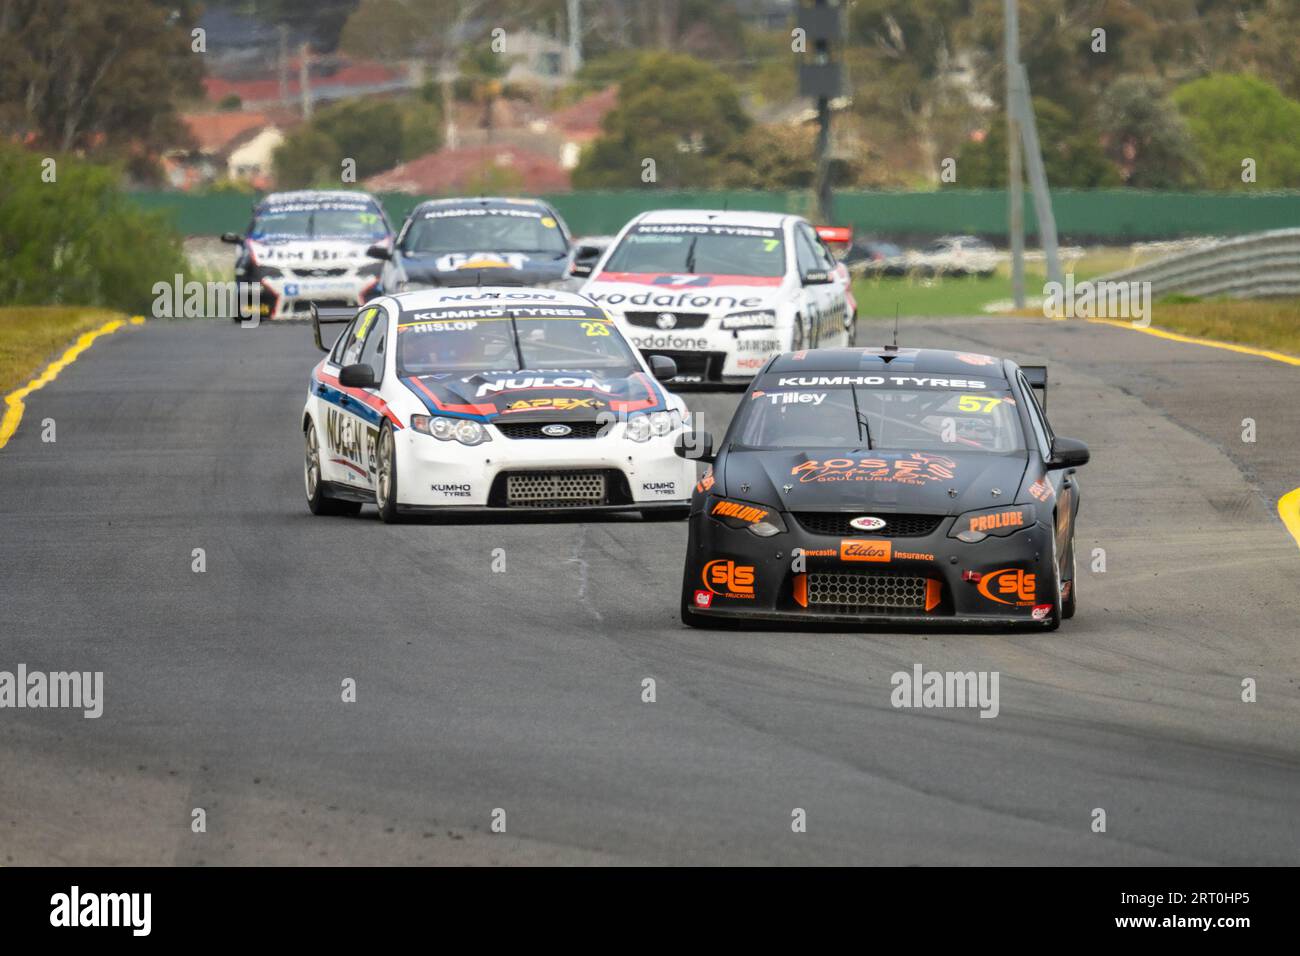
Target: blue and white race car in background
(478, 242)
(311, 247)
(491, 398)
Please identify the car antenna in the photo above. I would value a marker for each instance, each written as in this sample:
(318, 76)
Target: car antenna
(894, 347)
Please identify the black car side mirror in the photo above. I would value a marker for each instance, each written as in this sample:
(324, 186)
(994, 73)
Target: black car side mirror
(379, 251)
(663, 367)
(1068, 453)
(233, 238)
(360, 375)
(694, 446)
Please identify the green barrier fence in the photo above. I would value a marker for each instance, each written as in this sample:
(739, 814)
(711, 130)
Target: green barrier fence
(1092, 215)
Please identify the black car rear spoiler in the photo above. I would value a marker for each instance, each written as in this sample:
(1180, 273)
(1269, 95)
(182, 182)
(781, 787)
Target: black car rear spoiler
(1036, 376)
(328, 317)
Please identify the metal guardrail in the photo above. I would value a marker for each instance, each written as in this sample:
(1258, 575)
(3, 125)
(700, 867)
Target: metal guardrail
(1245, 267)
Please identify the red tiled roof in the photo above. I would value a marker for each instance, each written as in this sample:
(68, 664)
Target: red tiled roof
(213, 132)
(259, 91)
(582, 119)
(455, 170)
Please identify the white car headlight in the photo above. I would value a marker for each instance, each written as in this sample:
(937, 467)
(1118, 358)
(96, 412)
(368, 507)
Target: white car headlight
(654, 425)
(451, 429)
(760, 319)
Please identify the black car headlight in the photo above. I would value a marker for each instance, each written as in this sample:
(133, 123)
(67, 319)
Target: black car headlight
(451, 429)
(759, 520)
(974, 526)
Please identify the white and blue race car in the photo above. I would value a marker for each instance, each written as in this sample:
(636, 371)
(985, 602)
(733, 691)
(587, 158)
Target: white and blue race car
(312, 247)
(501, 398)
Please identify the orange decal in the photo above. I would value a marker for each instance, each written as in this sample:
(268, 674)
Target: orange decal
(1000, 519)
(866, 550)
(732, 509)
(1014, 583)
(733, 580)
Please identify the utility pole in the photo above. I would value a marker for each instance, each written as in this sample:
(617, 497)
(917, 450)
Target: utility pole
(284, 64)
(1015, 178)
(821, 78)
(304, 78)
(575, 35)
(1038, 178)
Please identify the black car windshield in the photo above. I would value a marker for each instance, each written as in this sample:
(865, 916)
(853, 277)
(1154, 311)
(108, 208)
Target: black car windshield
(526, 229)
(706, 249)
(509, 338)
(318, 220)
(881, 417)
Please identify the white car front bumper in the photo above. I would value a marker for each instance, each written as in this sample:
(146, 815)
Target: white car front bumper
(606, 473)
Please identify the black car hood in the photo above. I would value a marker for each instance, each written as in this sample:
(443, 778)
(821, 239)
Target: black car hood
(550, 395)
(893, 481)
(484, 268)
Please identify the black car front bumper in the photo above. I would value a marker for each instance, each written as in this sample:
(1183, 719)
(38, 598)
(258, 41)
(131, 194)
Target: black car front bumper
(919, 579)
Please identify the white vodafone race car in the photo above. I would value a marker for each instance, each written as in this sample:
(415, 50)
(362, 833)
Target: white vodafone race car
(311, 247)
(722, 292)
(502, 398)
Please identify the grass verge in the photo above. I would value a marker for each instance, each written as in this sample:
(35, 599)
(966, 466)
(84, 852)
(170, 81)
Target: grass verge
(30, 336)
(1264, 323)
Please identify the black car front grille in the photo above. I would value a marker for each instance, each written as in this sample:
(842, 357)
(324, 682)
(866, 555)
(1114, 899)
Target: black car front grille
(309, 273)
(560, 488)
(693, 366)
(856, 591)
(896, 526)
(681, 320)
(534, 429)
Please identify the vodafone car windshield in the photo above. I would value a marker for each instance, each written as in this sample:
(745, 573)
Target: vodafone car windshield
(445, 231)
(708, 249)
(843, 412)
(496, 338)
(318, 220)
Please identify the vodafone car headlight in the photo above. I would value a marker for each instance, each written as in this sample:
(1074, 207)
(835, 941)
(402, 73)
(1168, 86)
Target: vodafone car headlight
(652, 425)
(974, 526)
(761, 319)
(451, 429)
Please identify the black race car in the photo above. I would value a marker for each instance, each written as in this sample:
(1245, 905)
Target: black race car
(885, 485)
(479, 242)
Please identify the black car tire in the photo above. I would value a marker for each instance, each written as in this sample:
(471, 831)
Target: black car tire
(1067, 604)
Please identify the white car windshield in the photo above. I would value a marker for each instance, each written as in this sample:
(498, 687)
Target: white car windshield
(499, 338)
(318, 220)
(705, 249)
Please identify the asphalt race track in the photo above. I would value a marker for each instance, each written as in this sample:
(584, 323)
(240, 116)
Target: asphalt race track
(522, 690)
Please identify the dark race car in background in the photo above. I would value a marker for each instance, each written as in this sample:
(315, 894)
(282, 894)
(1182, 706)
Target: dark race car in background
(311, 247)
(479, 242)
(885, 485)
